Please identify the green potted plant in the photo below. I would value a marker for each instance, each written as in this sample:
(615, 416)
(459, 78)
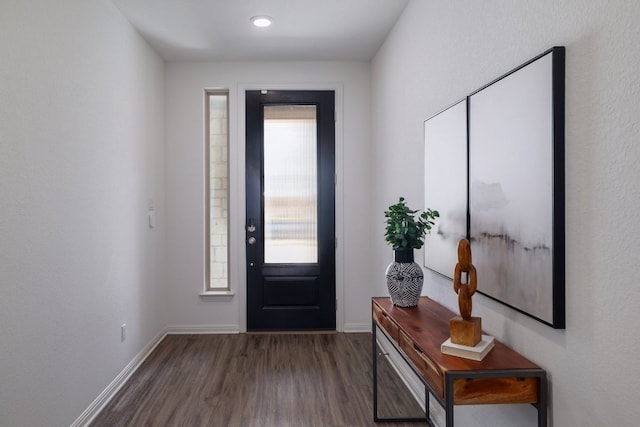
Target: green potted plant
(405, 231)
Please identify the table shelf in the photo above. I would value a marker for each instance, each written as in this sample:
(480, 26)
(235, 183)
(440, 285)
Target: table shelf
(503, 376)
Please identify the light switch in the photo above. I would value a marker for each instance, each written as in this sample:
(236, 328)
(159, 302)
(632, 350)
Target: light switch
(152, 219)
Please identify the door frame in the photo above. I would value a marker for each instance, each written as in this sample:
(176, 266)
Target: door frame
(239, 285)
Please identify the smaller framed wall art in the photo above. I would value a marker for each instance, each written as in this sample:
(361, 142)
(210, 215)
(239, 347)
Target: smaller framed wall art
(445, 136)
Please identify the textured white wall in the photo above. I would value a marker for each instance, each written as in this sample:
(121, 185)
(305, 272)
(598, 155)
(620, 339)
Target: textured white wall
(81, 152)
(185, 84)
(439, 52)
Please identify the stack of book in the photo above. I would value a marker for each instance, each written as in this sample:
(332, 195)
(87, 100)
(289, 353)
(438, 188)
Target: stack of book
(477, 352)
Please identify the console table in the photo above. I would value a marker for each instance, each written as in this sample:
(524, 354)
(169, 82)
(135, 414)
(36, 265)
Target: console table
(503, 376)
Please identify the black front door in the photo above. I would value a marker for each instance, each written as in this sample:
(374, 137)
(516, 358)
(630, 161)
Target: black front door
(290, 223)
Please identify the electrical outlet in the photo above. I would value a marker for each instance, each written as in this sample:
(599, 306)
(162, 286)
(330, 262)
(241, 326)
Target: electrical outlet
(123, 332)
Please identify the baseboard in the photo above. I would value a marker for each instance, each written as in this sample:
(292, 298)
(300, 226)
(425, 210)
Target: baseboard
(357, 327)
(107, 394)
(410, 380)
(202, 329)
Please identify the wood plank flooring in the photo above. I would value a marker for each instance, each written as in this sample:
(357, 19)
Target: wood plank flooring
(257, 380)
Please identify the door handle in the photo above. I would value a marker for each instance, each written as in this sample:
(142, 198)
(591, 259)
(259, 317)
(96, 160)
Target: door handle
(251, 240)
(251, 227)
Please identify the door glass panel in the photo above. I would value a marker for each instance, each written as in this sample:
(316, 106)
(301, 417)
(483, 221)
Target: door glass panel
(290, 184)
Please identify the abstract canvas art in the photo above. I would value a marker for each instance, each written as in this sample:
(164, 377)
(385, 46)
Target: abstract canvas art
(494, 168)
(445, 136)
(516, 187)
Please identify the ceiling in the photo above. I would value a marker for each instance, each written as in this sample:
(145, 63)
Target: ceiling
(205, 30)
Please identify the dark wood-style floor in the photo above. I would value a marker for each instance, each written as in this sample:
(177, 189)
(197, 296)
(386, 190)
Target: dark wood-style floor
(258, 380)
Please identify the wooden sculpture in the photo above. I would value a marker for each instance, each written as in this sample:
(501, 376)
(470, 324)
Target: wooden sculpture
(465, 329)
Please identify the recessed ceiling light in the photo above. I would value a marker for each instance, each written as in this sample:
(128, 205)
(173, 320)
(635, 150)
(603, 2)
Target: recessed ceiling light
(262, 21)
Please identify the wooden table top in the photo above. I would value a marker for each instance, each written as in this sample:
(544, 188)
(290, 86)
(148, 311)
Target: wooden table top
(428, 327)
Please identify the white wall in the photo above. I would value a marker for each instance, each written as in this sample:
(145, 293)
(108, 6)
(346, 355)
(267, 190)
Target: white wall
(185, 84)
(81, 152)
(439, 52)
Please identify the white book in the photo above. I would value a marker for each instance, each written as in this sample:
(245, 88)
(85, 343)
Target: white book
(477, 352)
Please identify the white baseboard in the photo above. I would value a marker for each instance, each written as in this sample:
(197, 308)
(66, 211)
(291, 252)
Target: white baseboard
(202, 329)
(107, 394)
(357, 327)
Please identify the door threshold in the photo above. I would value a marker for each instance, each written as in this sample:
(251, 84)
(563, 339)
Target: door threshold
(327, 332)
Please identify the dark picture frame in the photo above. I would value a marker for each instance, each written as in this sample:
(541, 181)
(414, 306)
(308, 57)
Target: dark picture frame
(446, 176)
(512, 140)
(516, 188)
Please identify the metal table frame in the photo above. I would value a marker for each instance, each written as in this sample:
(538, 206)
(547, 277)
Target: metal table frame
(449, 378)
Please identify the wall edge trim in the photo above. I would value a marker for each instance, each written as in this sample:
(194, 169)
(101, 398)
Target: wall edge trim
(110, 391)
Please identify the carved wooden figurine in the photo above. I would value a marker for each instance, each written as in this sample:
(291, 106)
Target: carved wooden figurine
(465, 329)
(465, 290)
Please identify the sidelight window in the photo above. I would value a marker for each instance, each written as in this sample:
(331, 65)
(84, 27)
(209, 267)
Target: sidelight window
(217, 191)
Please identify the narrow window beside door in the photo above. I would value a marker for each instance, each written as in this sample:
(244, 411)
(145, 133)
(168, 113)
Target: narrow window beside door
(217, 191)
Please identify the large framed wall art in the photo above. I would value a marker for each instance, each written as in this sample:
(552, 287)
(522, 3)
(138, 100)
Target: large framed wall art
(445, 136)
(515, 187)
